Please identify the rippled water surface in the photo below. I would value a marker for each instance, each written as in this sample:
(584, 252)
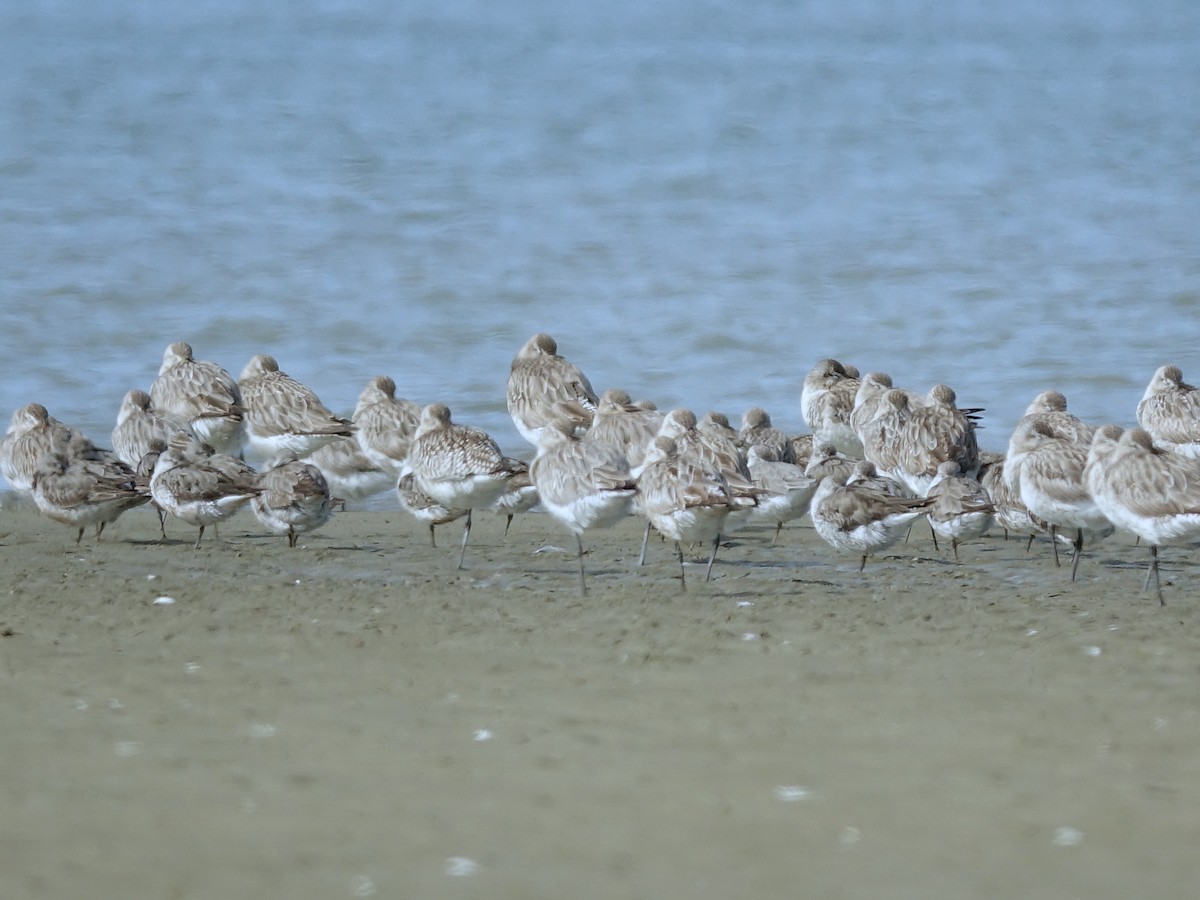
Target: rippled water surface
(697, 199)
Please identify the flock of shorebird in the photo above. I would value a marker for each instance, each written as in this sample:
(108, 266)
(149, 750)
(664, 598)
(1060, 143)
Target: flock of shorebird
(877, 458)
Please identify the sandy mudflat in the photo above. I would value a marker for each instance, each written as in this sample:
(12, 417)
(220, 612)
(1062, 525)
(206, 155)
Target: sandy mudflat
(355, 718)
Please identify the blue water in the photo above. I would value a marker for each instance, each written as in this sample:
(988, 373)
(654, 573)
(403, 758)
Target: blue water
(697, 199)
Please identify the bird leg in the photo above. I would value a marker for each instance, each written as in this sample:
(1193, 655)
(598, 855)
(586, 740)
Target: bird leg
(462, 553)
(199, 536)
(712, 557)
(645, 540)
(1153, 569)
(682, 577)
(579, 553)
(1054, 544)
(1078, 548)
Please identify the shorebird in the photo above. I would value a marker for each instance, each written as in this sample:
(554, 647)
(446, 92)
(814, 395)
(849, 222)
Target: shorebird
(202, 394)
(543, 386)
(685, 500)
(520, 495)
(784, 490)
(620, 423)
(802, 448)
(283, 415)
(826, 401)
(866, 475)
(385, 425)
(722, 441)
(1010, 512)
(1105, 443)
(199, 486)
(1048, 467)
(80, 492)
(884, 434)
(424, 508)
(826, 461)
(1050, 408)
(144, 470)
(138, 424)
(711, 443)
(868, 400)
(934, 432)
(457, 466)
(1148, 491)
(32, 433)
(961, 509)
(294, 497)
(348, 471)
(853, 518)
(584, 484)
(1170, 412)
(757, 430)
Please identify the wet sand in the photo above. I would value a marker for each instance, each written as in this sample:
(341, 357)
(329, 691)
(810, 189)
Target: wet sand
(356, 718)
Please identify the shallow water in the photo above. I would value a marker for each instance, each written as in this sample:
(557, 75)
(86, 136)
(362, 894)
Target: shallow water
(697, 200)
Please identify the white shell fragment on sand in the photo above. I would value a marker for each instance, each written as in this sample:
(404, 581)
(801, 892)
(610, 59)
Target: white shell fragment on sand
(163, 601)
(791, 793)
(461, 867)
(1065, 836)
(482, 734)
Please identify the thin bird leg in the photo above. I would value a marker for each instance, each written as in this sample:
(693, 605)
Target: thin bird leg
(508, 524)
(954, 547)
(462, 553)
(579, 553)
(292, 537)
(778, 528)
(645, 540)
(712, 557)
(1054, 544)
(682, 577)
(199, 536)
(1075, 556)
(1028, 543)
(79, 537)
(432, 538)
(1154, 569)
(862, 565)
(933, 534)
